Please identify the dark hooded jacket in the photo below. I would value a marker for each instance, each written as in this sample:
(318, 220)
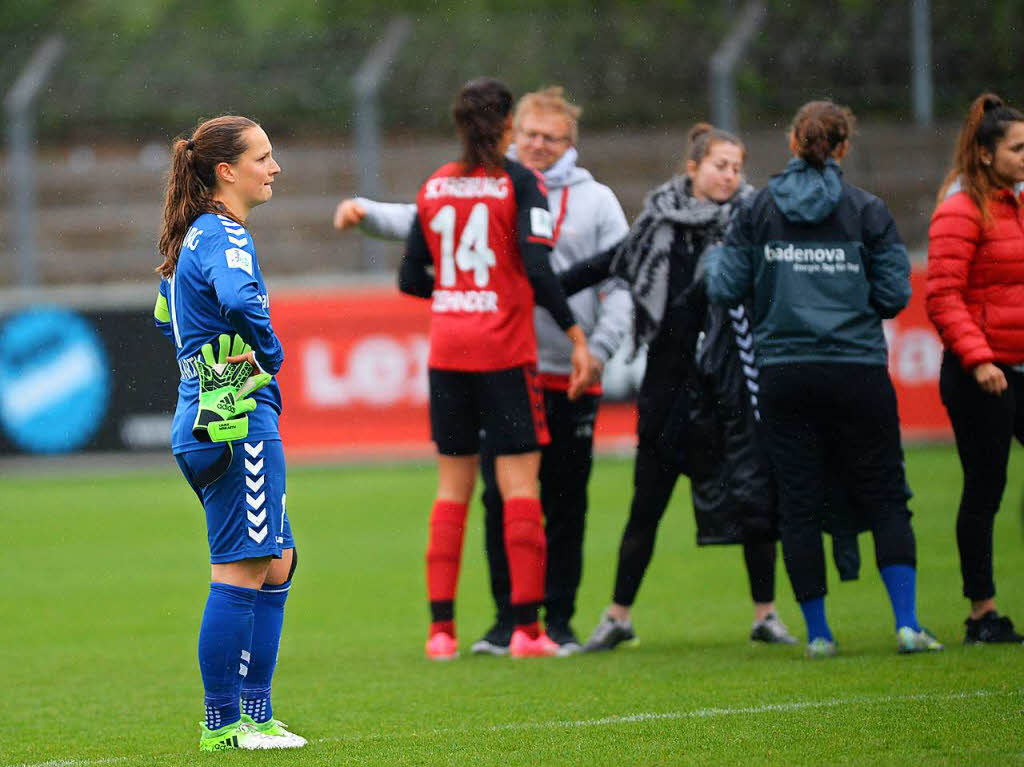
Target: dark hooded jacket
(824, 264)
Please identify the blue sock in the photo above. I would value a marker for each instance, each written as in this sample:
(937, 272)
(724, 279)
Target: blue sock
(224, 638)
(901, 583)
(266, 638)
(814, 616)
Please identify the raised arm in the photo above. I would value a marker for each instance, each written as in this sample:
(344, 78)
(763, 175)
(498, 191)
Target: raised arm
(383, 220)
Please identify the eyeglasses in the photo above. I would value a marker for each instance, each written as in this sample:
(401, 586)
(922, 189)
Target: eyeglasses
(548, 140)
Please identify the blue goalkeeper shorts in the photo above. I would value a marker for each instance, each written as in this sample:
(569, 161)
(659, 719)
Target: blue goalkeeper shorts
(244, 498)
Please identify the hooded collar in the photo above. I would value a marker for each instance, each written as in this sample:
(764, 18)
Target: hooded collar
(563, 173)
(805, 194)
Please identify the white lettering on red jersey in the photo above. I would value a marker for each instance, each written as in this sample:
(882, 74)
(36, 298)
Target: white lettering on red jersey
(467, 186)
(482, 307)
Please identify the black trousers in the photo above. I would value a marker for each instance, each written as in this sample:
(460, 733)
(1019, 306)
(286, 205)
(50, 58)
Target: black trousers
(564, 472)
(845, 415)
(984, 426)
(654, 479)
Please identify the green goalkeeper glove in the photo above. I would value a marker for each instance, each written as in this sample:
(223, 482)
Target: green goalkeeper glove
(223, 391)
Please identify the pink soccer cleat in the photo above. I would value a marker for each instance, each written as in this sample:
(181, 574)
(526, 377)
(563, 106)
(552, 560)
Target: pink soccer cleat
(442, 646)
(522, 646)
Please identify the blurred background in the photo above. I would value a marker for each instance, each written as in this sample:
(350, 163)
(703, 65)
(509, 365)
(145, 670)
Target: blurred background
(355, 96)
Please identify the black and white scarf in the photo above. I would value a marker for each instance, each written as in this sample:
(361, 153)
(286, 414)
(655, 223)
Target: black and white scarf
(642, 259)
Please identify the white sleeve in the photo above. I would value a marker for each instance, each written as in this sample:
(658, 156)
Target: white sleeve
(615, 319)
(387, 220)
(612, 224)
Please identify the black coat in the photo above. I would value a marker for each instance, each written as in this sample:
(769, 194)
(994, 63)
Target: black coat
(730, 478)
(695, 408)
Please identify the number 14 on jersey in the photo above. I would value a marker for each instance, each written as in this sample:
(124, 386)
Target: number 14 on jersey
(473, 253)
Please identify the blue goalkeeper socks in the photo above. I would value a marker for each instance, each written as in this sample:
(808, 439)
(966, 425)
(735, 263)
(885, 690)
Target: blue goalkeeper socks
(224, 638)
(814, 616)
(266, 638)
(901, 583)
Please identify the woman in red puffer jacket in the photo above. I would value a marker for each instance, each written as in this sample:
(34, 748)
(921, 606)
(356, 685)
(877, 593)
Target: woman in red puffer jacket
(976, 301)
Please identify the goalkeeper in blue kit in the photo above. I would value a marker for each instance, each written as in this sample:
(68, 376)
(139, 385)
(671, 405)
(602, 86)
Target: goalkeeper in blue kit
(213, 306)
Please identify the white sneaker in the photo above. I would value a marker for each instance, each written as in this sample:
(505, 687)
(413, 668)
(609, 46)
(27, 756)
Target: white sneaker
(609, 634)
(278, 730)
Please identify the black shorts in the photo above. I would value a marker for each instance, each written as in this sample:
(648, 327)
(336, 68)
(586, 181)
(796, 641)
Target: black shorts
(506, 404)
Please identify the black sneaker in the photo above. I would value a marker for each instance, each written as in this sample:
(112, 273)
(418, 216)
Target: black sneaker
(566, 639)
(771, 630)
(991, 628)
(494, 642)
(609, 634)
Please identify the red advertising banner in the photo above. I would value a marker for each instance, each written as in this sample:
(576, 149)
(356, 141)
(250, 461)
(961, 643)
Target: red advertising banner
(915, 356)
(355, 379)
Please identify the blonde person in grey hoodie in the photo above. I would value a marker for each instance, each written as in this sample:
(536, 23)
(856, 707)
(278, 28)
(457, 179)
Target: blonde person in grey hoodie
(587, 220)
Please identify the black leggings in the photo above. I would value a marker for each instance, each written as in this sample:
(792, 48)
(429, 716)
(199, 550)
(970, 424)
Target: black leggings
(984, 426)
(818, 415)
(653, 482)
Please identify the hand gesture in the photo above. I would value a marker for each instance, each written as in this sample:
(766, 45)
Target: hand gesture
(348, 214)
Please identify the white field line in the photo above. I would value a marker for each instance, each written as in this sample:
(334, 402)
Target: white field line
(699, 713)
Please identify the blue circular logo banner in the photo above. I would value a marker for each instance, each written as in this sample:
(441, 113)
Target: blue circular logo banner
(54, 380)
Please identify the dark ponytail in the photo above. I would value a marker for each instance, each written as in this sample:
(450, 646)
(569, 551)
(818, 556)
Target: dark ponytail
(481, 112)
(819, 128)
(192, 179)
(987, 121)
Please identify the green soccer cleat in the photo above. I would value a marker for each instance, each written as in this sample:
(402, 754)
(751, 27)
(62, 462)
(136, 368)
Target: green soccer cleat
(236, 735)
(917, 641)
(276, 729)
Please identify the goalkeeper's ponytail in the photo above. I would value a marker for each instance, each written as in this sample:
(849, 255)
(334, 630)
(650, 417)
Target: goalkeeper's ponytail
(192, 179)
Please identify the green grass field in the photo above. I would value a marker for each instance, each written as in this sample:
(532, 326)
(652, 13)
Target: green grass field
(105, 578)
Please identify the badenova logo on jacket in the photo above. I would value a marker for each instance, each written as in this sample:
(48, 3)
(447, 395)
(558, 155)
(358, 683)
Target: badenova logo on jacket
(828, 258)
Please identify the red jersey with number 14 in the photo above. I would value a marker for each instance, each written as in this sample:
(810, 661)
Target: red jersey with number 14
(473, 224)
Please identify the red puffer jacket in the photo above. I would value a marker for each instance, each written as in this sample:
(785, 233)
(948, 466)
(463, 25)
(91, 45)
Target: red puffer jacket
(976, 279)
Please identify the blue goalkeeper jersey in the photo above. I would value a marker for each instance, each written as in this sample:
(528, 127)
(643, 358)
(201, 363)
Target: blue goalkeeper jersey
(217, 287)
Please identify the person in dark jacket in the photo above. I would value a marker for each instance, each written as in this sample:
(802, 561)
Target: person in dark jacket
(681, 218)
(824, 264)
(975, 283)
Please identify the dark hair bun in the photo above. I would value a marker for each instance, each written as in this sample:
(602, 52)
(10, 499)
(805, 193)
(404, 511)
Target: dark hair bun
(699, 130)
(991, 102)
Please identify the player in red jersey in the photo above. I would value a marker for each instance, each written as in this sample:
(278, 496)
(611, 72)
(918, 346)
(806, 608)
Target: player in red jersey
(479, 249)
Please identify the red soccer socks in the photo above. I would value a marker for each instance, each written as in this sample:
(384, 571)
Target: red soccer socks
(444, 554)
(527, 553)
